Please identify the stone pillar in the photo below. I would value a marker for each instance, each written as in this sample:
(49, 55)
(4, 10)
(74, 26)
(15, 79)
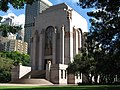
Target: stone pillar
(71, 46)
(33, 46)
(32, 64)
(41, 51)
(37, 51)
(79, 39)
(54, 46)
(48, 65)
(62, 45)
(75, 41)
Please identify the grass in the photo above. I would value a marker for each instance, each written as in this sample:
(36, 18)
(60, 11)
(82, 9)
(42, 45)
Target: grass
(84, 87)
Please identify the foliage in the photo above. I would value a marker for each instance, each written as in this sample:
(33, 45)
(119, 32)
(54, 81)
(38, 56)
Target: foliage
(103, 40)
(83, 63)
(16, 57)
(5, 29)
(8, 60)
(17, 4)
(1, 18)
(5, 68)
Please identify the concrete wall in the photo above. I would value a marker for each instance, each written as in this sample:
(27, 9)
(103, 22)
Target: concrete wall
(19, 71)
(72, 79)
(56, 71)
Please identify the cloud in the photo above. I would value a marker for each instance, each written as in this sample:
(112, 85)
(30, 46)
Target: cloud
(9, 11)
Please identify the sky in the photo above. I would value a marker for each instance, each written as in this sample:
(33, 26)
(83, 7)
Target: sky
(20, 14)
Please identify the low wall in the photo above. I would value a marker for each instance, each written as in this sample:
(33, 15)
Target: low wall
(19, 71)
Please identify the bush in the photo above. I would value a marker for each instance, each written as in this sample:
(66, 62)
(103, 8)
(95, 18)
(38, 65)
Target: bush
(5, 69)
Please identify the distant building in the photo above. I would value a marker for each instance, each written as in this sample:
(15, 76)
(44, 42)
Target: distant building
(13, 45)
(32, 11)
(10, 21)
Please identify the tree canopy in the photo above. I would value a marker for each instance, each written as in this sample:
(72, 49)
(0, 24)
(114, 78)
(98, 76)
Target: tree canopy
(105, 23)
(17, 4)
(103, 40)
(16, 57)
(5, 29)
(83, 63)
(5, 69)
(104, 36)
(8, 60)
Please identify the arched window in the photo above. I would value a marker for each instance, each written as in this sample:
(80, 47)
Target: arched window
(48, 40)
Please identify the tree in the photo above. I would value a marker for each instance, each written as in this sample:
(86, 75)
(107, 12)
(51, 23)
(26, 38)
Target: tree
(1, 18)
(16, 57)
(85, 64)
(17, 4)
(5, 69)
(104, 36)
(8, 60)
(5, 29)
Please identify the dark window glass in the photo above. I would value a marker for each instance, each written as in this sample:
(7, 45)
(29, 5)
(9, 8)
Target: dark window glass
(48, 40)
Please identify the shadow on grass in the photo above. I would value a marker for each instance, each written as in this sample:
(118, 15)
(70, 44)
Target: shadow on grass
(63, 88)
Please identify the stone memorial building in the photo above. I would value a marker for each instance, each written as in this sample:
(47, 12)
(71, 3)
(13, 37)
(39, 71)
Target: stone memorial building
(56, 39)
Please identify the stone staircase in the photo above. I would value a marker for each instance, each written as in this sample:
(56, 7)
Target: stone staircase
(35, 74)
(33, 77)
(33, 81)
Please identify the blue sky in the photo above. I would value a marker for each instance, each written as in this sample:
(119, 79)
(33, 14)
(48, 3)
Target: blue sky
(71, 3)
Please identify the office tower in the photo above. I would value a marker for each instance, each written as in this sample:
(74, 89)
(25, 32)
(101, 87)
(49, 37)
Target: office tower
(31, 12)
(10, 44)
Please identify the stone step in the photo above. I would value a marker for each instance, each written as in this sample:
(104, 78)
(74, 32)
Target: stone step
(33, 81)
(35, 74)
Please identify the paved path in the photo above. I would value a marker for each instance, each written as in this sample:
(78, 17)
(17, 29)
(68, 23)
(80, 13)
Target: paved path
(9, 84)
(1, 84)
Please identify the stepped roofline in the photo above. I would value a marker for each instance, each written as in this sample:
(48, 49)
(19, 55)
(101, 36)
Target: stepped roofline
(58, 6)
(47, 2)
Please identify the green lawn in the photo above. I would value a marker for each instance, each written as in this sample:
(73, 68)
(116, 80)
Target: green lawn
(85, 87)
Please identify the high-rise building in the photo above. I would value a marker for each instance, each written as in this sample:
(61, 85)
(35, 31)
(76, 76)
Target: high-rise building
(7, 44)
(31, 12)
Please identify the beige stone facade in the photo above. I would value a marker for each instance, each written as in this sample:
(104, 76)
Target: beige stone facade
(13, 45)
(56, 39)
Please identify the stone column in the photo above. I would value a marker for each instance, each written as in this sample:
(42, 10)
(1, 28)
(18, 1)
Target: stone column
(48, 66)
(62, 45)
(71, 46)
(37, 50)
(75, 41)
(32, 53)
(54, 46)
(41, 52)
(79, 39)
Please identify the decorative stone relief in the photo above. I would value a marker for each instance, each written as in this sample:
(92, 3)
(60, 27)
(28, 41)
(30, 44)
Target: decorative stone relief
(69, 14)
(42, 31)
